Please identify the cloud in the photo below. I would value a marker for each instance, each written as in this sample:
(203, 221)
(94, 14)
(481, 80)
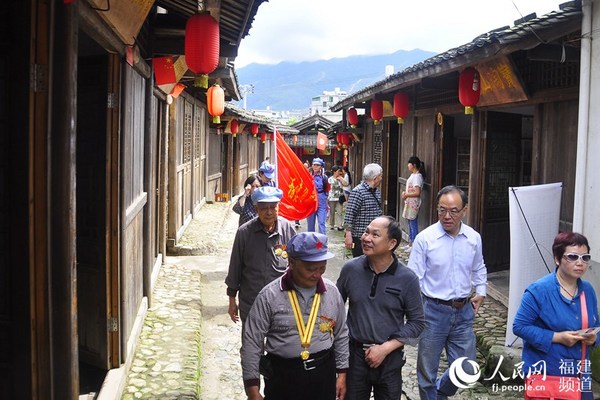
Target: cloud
(309, 30)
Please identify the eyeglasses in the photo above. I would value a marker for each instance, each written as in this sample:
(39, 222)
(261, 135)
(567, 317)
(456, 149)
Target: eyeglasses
(572, 257)
(454, 212)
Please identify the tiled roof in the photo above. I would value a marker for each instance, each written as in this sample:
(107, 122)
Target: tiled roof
(250, 117)
(541, 29)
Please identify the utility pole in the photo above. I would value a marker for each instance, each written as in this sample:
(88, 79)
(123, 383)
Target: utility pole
(245, 90)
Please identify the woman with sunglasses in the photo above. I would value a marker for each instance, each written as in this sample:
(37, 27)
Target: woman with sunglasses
(549, 319)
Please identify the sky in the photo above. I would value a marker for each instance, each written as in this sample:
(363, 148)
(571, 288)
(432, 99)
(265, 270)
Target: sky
(310, 30)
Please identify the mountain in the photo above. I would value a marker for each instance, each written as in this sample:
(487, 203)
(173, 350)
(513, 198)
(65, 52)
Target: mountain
(291, 86)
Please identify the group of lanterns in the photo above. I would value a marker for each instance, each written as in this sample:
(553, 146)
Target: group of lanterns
(202, 57)
(234, 127)
(469, 89)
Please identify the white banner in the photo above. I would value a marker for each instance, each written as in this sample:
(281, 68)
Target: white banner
(534, 221)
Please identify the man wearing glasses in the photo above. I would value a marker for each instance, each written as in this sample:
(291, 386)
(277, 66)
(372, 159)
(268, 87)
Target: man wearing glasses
(447, 258)
(258, 255)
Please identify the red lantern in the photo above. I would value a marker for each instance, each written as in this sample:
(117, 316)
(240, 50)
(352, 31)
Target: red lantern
(376, 111)
(353, 117)
(343, 140)
(202, 46)
(469, 89)
(263, 137)
(215, 99)
(254, 129)
(401, 106)
(234, 127)
(294, 139)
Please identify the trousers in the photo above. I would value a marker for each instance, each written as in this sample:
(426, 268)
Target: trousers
(446, 328)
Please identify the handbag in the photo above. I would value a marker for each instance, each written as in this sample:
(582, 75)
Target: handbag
(552, 387)
(409, 211)
(538, 387)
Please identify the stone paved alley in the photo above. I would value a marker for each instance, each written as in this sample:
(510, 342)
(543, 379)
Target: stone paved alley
(189, 348)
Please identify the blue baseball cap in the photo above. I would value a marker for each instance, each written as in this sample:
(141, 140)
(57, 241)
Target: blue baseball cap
(267, 169)
(318, 161)
(309, 246)
(267, 194)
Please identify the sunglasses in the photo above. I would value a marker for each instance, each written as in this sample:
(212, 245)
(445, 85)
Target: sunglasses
(572, 257)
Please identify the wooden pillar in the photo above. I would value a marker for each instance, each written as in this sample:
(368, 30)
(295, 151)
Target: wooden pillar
(149, 187)
(62, 170)
(475, 170)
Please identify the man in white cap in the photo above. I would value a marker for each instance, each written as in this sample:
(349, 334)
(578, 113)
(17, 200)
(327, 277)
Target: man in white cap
(258, 254)
(304, 360)
(322, 186)
(266, 172)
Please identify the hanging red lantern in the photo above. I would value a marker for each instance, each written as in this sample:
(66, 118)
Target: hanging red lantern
(353, 117)
(343, 139)
(376, 111)
(294, 139)
(469, 89)
(202, 46)
(254, 129)
(401, 106)
(234, 126)
(215, 99)
(263, 137)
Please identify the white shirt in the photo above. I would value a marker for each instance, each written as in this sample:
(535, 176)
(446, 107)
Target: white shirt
(448, 267)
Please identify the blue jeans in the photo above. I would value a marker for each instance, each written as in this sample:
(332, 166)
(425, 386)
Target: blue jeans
(446, 328)
(385, 380)
(320, 214)
(413, 229)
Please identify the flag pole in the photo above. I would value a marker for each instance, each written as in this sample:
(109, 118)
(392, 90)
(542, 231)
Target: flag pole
(275, 156)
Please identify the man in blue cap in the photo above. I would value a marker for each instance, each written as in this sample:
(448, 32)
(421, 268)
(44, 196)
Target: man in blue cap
(266, 172)
(258, 255)
(303, 360)
(322, 186)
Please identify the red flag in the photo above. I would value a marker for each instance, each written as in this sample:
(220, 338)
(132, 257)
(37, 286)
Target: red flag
(321, 141)
(164, 70)
(299, 192)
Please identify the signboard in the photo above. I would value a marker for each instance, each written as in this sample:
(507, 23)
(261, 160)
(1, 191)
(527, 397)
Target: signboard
(124, 16)
(500, 83)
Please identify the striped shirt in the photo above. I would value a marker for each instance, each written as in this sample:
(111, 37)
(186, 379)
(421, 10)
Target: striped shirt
(247, 212)
(364, 205)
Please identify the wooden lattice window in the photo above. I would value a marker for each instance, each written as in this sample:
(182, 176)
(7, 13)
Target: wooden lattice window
(187, 133)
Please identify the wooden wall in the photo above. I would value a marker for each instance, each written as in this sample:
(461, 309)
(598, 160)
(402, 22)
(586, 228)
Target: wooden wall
(133, 198)
(555, 152)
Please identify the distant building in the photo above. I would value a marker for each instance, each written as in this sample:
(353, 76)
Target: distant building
(283, 117)
(320, 104)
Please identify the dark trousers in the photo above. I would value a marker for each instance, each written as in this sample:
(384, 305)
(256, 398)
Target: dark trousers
(385, 381)
(291, 381)
(357, 249)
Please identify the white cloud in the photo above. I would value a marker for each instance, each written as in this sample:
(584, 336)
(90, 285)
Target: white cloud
(308, 30)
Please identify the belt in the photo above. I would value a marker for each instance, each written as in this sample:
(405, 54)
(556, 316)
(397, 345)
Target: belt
(365, 346)
(454, 303)
(315, 361)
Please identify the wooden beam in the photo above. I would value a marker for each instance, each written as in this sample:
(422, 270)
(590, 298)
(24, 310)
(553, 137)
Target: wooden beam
(555, 53)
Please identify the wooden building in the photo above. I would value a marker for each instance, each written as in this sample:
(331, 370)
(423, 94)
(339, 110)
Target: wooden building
(100, 170)
(523, 131)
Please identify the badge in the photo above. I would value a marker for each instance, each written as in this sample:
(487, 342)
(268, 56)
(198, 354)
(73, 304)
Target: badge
(304, 355)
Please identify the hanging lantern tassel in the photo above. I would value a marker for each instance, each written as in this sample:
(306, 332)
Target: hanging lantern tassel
(376, 111)
(401, 106)
(202, 46)
(353, 117)
(215, 99)
(469, 89)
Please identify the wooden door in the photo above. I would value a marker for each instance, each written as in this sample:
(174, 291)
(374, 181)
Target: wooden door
(95, 202)
(502, 171)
